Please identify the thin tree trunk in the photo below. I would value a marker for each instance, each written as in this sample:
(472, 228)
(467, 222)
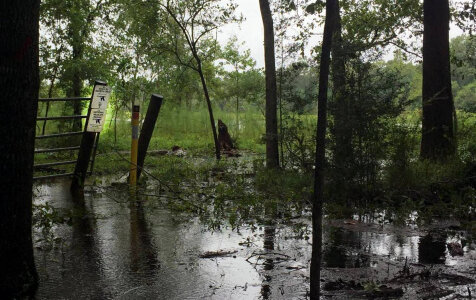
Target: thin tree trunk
(77, 56)
(318, 195)
(438, 139)
(237, 117)
(237, 104)
(77, 105)
(50, 95)
(281, 126)
(209, 105)
(192, 44)
(19, 83)
(272, 149)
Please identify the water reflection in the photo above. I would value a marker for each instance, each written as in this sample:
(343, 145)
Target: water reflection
(143, 253)
(118, 248)
(345, 249)
(432, 248)
(82, 261)
(268, 265)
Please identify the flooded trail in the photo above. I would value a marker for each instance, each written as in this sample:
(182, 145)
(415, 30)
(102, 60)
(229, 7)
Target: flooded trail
(115, 247)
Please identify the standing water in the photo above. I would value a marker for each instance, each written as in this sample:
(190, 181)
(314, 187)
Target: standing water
(113, 247)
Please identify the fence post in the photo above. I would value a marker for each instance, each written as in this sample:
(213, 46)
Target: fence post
(134, 144)
(147, 130)
(84, 155)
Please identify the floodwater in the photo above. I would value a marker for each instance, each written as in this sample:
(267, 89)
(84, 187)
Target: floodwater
(121, 248)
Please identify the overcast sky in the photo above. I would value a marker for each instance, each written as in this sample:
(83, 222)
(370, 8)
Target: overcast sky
(251, 30)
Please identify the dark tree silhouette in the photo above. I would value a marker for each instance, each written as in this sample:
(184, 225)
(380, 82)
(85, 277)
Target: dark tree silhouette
(272, 153)
(19, 84)
(332, 7)
(438, 140)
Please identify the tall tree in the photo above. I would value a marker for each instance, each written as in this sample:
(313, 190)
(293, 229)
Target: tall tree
(272, 150)
(196, 21)
(438, 139)
(332, 8)
(73, 22)
(19, 82)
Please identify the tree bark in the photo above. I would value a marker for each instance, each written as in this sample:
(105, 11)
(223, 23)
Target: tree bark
(19, 83)
(209, 106)
(272, 150)
(77, 82)
(318, 195)
(438, 139)
(77, 38)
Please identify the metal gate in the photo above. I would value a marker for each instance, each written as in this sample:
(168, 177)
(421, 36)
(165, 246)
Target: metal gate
(48, 165)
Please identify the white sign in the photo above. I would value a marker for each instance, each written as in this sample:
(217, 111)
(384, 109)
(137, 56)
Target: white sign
(97, 115)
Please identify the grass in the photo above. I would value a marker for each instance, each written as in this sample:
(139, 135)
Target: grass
(190, 130)
(243, 189)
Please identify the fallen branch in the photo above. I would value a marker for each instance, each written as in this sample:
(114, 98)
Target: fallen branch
(219, 253)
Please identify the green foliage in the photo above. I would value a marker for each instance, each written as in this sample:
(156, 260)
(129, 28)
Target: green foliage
(377, 94)
(45, 218)
(298, 141)
(177, 125)
(465, 99)
(151, 47)
(240, 191)
(67, 49)
(463, 60)
(370, 24)
(466, 136)
(240, 82)
(411, 74)
(298, 87)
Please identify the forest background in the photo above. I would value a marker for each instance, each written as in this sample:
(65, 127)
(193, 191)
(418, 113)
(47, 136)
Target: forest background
(137, 47)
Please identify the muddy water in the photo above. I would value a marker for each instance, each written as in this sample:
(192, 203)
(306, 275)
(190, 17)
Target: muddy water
(121, 248)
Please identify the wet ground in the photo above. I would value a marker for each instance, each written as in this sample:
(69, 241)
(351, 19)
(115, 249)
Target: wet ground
(113, 247)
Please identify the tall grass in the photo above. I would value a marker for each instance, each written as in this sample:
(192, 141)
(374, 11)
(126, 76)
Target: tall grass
(189, 129)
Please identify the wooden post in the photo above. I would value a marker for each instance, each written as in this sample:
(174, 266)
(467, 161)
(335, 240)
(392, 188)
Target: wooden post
(134, 145)
(147, 130)
(84, 155)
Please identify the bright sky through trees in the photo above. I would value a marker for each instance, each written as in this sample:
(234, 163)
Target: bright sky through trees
(251, 32)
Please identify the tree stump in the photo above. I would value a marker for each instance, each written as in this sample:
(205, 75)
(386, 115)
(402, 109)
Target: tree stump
(224, 140)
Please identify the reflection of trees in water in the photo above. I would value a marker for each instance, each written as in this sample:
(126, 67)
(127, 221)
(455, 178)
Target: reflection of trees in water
(85, 248)
(400, 246)
(432, 248)
(343, 249)
(268, 245)
(143, 252)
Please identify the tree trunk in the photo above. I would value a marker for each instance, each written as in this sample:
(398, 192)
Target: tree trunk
(77, 46)
(272, 152)
(438, 139)
(50, 95)
(318, 195)
(237, 104)
(77, 86)
(281, 125)
(209, 105)
(19, 83)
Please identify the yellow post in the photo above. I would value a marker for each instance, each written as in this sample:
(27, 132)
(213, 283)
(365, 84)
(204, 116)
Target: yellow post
(134, 145)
